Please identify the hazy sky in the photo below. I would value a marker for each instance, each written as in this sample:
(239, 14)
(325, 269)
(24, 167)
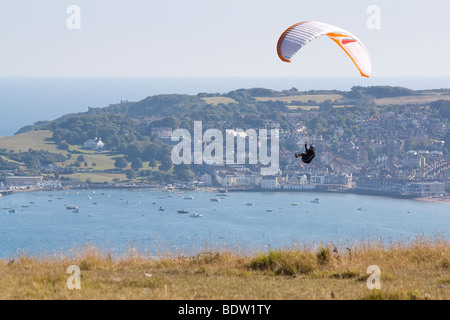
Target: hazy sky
(216, 38)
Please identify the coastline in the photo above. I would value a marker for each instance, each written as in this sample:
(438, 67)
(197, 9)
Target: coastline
(435, 199)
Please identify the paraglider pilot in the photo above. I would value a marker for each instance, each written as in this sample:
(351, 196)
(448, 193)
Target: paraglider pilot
(308, 155)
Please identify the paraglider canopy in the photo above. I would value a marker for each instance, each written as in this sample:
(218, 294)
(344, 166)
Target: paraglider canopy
(298, 35)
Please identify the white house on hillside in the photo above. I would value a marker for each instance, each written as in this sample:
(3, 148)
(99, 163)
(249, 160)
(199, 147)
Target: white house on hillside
(94, 144)
(163, 132)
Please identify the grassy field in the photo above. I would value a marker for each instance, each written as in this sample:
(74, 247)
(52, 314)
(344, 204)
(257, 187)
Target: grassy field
(216, 100)
(36, 140)
(95, 177)
(419, 99)
(40, 140)
(419, 270)
(303, 98)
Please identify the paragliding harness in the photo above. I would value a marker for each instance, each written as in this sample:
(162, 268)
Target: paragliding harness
(308, 155)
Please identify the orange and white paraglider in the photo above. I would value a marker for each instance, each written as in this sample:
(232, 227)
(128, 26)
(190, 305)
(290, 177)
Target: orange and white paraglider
(298, 35)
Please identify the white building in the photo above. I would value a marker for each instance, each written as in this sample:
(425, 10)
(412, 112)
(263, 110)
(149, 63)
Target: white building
(205, 179)
(317, 178)
(228, 181)
(49, 184)
(94, 144)
(163, 132)
(240, 181)
(248, 181)
(303, 179)
(20, 181)
(381, 158)
(269, 182)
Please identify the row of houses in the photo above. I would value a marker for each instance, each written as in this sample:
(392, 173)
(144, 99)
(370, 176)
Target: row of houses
(271, 182)
(25, 182)
(401, 187)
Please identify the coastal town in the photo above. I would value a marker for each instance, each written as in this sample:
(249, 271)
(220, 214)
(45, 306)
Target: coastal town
(395, 150)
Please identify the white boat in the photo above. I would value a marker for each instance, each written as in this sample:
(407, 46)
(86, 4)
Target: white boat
(251, 204)
(361, 209)
(76, 210)
(221, 194)
(316, 200)
(196, 215)
(189, 198)
(215, 200)
(72, 207)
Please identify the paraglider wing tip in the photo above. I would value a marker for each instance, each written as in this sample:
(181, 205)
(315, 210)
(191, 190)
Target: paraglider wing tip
(281, 56)
(365, 75)
(283, 59)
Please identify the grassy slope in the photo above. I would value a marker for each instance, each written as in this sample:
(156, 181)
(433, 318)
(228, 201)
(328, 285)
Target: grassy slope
(36, 140)
(417, 271)
(217, 100)
(424, 98)
(40, 140)
(303, 98)
(419, 99)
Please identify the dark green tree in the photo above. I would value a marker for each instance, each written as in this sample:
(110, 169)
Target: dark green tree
(152, 163)
(166, 163)
(121, 163)
(131, 174)
(137, 164)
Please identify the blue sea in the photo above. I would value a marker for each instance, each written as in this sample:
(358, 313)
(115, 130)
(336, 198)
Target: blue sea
(25, 100)
(120, 219)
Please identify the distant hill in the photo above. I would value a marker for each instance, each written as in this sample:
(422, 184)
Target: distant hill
(230, 107)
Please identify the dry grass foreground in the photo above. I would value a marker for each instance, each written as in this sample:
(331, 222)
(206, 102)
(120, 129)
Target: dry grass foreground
(418, 270)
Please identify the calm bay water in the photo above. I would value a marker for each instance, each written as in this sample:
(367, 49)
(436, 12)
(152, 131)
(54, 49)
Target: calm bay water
(122, 218)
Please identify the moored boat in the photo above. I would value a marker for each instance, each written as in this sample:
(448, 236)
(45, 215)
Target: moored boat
(196, 215)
